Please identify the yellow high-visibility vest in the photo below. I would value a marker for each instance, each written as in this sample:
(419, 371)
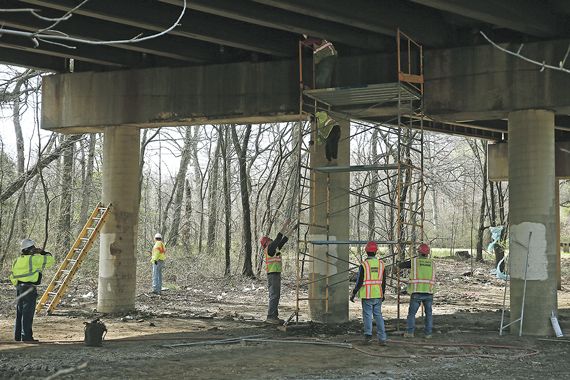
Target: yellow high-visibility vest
(27, 268)
(422, 276)
(273, 264)
(158, 251)
(373, 277)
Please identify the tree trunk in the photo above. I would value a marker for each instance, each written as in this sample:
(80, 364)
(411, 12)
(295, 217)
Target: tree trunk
(373, 188)
(213, 198)
(64, 225)
(87, 180)
(227, 198)
(199, 186)
(482, 213)
(180, 182)
(20, 157)
(241, 154)
(186, 229)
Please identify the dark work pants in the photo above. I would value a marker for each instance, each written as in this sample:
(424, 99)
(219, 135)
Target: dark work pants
(331, 144)
(274, 283)
(25, 310)
(324, 71)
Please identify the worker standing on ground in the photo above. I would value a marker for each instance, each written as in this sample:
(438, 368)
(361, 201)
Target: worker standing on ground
(26, 274)
(420, 288)
(324, 58)
(328, 133)
(157, 259)
(273, 266)
(370, 287)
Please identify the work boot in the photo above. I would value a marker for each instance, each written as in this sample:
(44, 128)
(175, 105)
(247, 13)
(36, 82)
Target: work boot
(274, 321)
(32, 341)
(428, 336)
(381, 342)
(408, 334)
(367, 339)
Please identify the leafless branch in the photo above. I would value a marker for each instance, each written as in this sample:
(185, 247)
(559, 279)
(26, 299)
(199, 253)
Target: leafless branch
(543, 65)
(37, 36)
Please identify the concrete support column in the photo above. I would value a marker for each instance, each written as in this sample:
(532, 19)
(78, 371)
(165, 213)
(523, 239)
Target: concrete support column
(328, 289)
(532, 205)
(117, 261)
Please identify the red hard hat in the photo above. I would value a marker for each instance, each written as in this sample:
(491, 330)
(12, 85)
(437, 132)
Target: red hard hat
(371, 246)
(423, 249)
(264, 241)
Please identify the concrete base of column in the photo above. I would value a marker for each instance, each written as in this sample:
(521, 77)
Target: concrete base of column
(532, 233)
(117, 261)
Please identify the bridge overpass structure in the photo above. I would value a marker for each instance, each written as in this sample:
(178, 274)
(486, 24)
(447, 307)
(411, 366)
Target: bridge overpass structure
(235, 61)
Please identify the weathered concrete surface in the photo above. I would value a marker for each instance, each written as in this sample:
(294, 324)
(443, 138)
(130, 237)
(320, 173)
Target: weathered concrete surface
(328, 289)
(532, 214)
(498, 162)
(483, 83)
(215, 94)
(117, 261)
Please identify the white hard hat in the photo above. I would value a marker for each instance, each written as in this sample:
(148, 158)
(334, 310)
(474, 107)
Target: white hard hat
(27, 243)
(158, 236)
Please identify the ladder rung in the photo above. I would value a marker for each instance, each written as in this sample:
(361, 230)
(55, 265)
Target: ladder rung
(52, 293)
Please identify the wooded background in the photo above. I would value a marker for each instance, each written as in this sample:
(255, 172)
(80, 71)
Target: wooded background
(212, 191)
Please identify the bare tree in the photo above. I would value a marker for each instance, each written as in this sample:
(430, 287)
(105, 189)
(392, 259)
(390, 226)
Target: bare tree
(179, 186)
(87, 185)
(213, 197)
(224, 143)
(241, 150)
(66, 188)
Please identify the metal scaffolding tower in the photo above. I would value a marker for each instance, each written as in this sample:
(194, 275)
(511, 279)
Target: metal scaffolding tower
(396, 174)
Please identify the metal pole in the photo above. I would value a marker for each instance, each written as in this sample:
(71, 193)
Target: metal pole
(524, 286)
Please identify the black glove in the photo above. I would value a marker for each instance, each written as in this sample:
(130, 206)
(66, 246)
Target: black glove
(155, 262)
(352, 298)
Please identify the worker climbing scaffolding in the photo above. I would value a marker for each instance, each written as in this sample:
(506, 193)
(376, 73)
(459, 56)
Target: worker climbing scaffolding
(328, 133)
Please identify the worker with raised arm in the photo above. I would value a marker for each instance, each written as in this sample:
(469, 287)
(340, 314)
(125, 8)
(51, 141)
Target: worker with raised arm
(370, 287)
(157, 260)
(324, 59)
(420, 288)
(273, 266)
(26, 275)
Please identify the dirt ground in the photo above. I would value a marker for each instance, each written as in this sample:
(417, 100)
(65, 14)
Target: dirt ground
(147, 342)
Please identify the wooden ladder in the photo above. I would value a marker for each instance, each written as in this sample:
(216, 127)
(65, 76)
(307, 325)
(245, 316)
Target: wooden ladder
(62, 278)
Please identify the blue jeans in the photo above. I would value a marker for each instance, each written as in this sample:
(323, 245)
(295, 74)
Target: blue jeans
(157, 276)
(373, 307)
(25, 310)
(415, 300)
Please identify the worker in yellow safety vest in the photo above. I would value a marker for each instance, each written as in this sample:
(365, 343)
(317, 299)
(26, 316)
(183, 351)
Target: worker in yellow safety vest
(273, 266)
(26, 274)
(328, 133)
(370, 287)
(420, 288)
(157, 259)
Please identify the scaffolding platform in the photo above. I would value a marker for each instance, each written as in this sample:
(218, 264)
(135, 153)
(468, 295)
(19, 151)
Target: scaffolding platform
(371, 94)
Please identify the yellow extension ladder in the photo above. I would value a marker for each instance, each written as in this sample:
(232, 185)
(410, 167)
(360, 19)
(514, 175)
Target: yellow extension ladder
(62, 278)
